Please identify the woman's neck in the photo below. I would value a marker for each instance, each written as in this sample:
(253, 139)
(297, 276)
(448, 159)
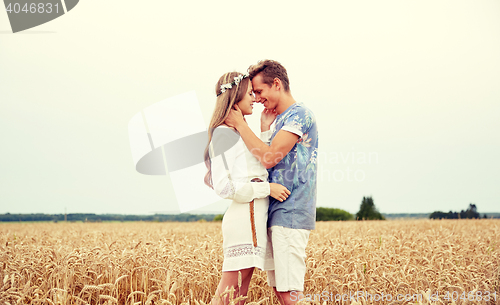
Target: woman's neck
(227, 126)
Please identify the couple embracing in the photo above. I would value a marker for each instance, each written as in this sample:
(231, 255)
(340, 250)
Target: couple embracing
(271, 180)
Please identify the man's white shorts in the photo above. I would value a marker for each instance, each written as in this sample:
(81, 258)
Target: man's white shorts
(289, 253)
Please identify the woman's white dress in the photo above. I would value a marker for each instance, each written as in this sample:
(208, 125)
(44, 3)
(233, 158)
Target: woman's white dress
(235, 183)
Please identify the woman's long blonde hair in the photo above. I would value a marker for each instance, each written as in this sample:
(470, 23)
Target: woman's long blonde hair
(223, 105)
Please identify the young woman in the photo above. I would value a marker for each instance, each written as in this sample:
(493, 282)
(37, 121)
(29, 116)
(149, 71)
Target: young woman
(234, 173)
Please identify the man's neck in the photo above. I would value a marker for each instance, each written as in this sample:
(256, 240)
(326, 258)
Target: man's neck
(286, 101)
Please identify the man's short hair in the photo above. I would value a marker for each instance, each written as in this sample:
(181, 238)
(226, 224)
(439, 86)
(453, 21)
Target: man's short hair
(270, 70)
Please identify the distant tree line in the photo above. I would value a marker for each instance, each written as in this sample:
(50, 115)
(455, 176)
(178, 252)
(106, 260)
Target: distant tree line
(105, 217)
(406, 215)
(471, 212)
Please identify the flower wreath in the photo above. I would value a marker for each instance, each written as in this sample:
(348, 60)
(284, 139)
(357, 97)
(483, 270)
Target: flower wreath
(235, 82)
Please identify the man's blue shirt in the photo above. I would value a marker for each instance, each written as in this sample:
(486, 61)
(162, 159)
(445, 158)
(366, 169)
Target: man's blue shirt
(296, 171)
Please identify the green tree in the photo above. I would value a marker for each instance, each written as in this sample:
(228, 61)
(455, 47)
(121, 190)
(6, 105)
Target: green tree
(471, 212)
(218, 217)
(367, 210)
(326, 214)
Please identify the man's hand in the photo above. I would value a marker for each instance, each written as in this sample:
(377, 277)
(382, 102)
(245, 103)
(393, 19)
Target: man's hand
(267, 118)
(235, 118)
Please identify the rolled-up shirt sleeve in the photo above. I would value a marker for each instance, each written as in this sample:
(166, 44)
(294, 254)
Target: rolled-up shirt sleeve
(234, 182)
(294, 123)
(265, 137)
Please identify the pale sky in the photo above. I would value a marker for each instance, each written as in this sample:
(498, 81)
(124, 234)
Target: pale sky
(406, 96)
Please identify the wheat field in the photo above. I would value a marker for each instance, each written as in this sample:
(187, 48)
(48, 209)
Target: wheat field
(180, 263)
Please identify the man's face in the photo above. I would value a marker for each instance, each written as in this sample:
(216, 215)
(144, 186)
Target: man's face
(264, 93)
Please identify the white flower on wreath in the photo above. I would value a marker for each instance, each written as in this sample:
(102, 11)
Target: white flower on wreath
(224, 87)
(237, 79)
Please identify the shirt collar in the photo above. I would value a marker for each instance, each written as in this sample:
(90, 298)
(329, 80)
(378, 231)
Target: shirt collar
(289, 108)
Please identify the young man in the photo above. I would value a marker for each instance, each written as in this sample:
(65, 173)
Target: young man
(289, 151)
